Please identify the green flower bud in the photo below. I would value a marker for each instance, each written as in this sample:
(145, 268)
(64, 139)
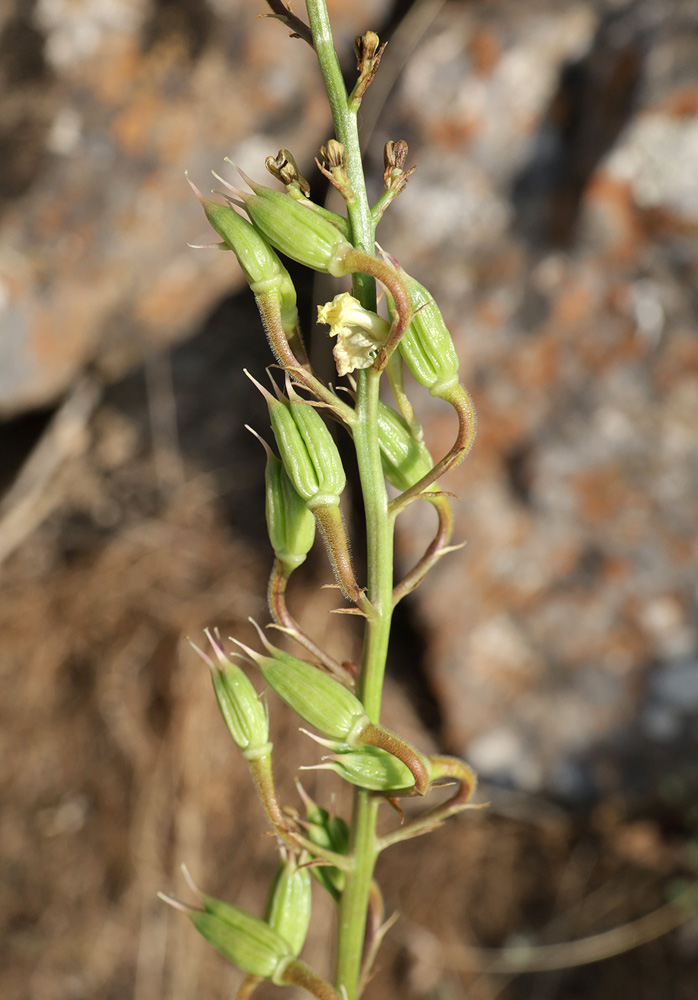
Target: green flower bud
(288, 908)
(290, 524)
(371, 768)
(405, 460)
(246, 941)
(296, 230)
(307, 450)
(260, 265)
(427, 346)
(321, 701)
(243, 712)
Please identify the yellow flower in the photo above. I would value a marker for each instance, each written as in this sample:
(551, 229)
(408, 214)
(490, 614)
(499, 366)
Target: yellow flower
(359, 332)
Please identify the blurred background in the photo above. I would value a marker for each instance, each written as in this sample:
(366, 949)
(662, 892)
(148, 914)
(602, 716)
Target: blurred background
(554, 215)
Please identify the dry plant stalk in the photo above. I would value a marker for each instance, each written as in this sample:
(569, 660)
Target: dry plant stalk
(303, 487)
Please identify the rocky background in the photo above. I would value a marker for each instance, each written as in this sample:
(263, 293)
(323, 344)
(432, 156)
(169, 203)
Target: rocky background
(554, 215)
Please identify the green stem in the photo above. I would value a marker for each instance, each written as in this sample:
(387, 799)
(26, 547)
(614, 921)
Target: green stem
(379, 527)
(363, 230)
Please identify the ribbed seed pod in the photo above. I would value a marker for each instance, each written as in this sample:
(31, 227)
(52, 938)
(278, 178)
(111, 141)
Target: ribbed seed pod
(321, 701)
(242, 711)
(239, 704)
(290, 524)
(260, 265)
(427, 346)
(288, 907)
(371, 768)
(331, 832)
(325, 829)
(405, 460)
(296, 230)
(307, 450)
(246, 941)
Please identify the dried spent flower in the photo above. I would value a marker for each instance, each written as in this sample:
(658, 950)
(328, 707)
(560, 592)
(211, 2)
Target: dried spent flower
(284, 167)
(369, 52)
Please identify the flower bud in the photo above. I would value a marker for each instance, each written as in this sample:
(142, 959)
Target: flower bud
(405, 460)
(296, 230)
(243, 712)
(427, 346)
(290, 524)
(309, 454)
(246, 941)
(371, 768)
(321, 701)
(288, 908)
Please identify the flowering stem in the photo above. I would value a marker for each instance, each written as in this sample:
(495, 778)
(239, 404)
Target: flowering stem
(379, 529)
(363, 229)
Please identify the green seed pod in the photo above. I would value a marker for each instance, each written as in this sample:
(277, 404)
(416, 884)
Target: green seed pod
(405, 460)
(331, 832)
(326, 829)
(260, 265)
(246, 941)
(288, 908)
(296, 230)
(371, 768)
(307, 451)
(243, 712)
(427, 346)
(321, 701)
(290, 524)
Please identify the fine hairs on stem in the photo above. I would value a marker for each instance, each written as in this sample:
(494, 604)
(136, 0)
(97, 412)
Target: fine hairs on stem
(340, 701)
